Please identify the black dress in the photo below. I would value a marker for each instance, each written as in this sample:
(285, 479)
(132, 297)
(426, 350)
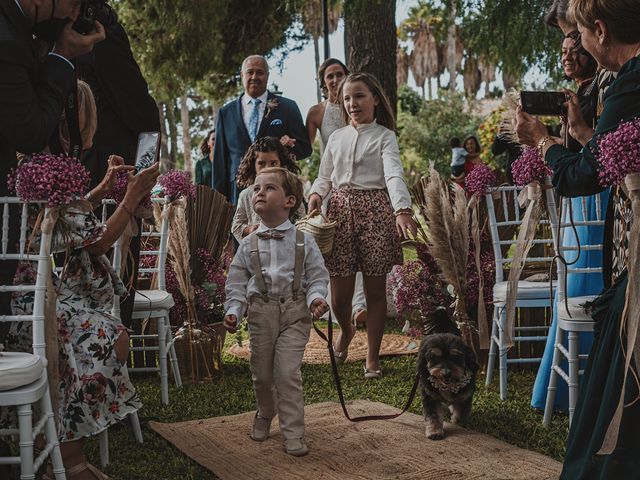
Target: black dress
(577, 175)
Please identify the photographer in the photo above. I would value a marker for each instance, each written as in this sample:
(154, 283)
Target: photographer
(125, 109)
(32, 94)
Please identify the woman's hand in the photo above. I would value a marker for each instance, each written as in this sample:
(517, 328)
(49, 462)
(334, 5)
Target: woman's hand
(405, 224)
(115, 164)
(315, 202)
(142, 183)
(578, 128)
(530, 130)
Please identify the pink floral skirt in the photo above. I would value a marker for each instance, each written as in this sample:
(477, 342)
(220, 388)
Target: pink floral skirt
(366, 239)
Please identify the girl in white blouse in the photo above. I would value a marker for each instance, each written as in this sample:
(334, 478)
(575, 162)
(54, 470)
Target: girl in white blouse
(370, 202)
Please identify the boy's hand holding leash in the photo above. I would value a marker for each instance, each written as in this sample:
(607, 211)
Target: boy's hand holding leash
(230, 323)
(319, 307)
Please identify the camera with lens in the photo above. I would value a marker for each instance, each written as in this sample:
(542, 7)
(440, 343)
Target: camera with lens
(92, 10)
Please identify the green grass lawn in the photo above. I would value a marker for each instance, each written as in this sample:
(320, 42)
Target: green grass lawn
(512, 421)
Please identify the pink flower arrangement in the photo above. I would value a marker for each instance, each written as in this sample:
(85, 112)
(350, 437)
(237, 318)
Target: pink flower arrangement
(119, 190)
(619, 153)
(176, 184)
(480, 180)
(56, 179)
(529, 167)
(209, 295)
(417, 290)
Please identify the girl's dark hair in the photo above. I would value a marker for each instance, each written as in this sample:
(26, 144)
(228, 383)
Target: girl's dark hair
(383, 112)
(204, 144)
(323, 68)
(475, 140)
(247, 169)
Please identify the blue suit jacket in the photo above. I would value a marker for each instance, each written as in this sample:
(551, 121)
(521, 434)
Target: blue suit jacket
(232, 139)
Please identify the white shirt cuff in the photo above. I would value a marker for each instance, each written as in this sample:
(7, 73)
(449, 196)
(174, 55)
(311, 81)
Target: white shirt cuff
(312, 296)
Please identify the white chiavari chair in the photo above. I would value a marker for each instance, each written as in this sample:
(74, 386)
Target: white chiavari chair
(529, 294)
(572, 318)
(23, 376)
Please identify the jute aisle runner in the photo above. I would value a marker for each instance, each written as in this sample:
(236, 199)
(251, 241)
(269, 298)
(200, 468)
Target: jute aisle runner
(316, 350)
(340, 450)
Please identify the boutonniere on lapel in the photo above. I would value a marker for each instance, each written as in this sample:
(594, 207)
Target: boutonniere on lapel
(272, 104)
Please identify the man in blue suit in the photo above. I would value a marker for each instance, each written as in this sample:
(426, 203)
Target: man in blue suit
(256, 113)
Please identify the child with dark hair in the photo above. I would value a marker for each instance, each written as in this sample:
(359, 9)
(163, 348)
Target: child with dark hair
(458, 157)
(266, 152)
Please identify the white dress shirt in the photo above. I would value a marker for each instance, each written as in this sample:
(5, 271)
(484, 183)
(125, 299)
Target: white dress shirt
(363, 158)
(245, 214)
(247, 108)
(278, 262)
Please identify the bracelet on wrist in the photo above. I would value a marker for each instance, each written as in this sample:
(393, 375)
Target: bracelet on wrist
(541, 144)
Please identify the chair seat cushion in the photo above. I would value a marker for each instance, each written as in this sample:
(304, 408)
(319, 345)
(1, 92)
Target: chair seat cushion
(576, 309)
(526, 291)
(18, 369)
(152, 300)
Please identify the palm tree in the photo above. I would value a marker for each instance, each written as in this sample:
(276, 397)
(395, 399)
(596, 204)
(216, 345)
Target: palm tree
(423, 27)
(311, 13)
(472, 77)
(488, 74)
(402, 66)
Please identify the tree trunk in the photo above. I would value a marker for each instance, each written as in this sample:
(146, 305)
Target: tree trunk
(316, 48)
(186, 135)
(173, 133)
(430, 80)
(371, 42)
(164, 146)
(451, 46)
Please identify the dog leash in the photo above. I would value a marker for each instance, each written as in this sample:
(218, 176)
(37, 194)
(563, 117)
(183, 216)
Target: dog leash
(338, 384)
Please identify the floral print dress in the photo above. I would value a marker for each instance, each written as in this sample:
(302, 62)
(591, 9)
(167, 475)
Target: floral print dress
(94, 388)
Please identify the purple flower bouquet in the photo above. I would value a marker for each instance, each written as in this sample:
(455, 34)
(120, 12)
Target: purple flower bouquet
(56, 179)
(480, 180)
(176, 184)
(529, 167)
(619, 153)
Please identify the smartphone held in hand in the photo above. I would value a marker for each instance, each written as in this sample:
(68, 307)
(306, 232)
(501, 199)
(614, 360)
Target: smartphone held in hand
(147, 151)
(543, 103)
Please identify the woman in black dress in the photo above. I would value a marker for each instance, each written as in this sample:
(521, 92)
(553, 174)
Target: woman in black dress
(608, 30)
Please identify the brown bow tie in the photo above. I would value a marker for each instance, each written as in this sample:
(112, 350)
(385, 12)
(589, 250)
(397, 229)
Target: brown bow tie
(270, 234)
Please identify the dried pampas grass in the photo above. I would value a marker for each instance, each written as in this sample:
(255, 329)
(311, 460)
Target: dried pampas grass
(445, 212)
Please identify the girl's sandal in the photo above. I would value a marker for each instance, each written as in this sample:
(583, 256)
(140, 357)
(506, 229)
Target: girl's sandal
(372, 373)
(341, 357)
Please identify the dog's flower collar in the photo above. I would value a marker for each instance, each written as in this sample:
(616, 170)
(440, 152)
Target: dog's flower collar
(453, 387)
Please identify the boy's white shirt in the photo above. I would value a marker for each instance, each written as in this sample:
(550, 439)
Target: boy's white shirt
(278, 261)
(458, 154)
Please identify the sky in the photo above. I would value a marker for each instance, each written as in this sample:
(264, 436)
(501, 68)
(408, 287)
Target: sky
(297, 80)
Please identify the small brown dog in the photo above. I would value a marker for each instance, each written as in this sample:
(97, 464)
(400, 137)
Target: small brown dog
(447, 370)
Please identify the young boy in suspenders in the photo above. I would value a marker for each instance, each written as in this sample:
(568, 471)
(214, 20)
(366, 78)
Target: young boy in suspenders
(278, 273)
